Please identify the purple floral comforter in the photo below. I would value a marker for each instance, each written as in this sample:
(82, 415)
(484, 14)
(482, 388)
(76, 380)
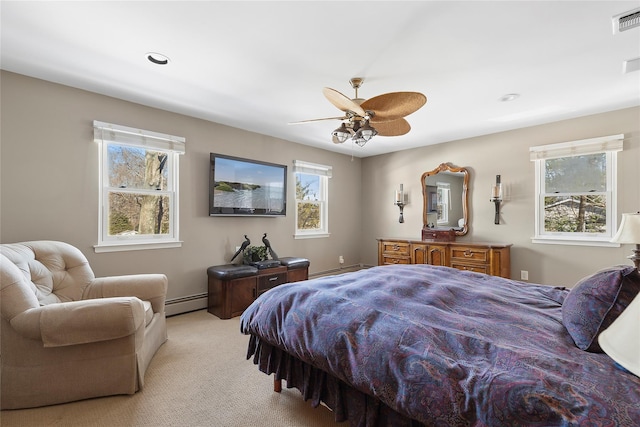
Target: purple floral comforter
(448, 348)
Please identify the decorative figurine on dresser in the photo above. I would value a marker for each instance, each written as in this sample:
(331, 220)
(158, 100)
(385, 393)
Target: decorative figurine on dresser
(445, 192)
(242, 247)
(233, 287)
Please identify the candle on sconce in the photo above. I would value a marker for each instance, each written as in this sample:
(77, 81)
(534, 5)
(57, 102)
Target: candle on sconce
(496, 197)
(399, 195)
(495, 193)
(400, 202)
(496, 190)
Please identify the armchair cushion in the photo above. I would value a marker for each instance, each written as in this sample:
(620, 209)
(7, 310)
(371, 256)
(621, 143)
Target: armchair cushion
(81, 322)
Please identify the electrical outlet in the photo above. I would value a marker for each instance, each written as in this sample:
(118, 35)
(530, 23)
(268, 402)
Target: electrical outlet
(524, 275)
(341, 259)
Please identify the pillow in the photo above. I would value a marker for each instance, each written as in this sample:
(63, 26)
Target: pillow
(596, 301)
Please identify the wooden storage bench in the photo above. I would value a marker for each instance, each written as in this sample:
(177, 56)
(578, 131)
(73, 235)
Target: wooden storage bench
(232, 287)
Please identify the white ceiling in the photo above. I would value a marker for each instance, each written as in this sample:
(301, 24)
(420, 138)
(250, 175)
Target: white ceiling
(259, 65)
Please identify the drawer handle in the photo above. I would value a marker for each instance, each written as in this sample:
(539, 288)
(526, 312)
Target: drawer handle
(395, 261)
(468, 253)
(273, 279)
(396, 247)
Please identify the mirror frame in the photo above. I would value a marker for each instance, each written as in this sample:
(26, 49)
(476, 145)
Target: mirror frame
(446, 167)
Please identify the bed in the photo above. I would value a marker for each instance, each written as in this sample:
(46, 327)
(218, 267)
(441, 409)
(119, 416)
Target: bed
(419, 345)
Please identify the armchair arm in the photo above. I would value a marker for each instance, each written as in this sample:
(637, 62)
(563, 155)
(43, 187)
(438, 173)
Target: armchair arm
(148, 287)
(81, 322)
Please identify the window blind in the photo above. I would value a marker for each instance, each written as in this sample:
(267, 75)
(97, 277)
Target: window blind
(137, 137)
(312, 168)
(577, 148)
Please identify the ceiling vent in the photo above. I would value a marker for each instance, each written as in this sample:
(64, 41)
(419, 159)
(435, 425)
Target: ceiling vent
(626, 21)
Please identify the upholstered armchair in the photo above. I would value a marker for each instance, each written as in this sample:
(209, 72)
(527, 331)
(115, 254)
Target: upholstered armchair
(67, 335)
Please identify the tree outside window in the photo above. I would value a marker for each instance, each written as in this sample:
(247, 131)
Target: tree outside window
(308, 202)
(138, 201)
(575, 196)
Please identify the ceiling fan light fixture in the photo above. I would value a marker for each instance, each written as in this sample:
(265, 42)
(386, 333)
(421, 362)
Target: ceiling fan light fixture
(359, 140)
(365, 132)
(340, 135)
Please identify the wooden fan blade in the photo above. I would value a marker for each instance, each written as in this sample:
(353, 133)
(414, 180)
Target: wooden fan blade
(394, 105)
(302, 122)
(342, 102)
(395, 127)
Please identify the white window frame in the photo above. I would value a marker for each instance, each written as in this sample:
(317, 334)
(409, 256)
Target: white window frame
(106, 134)
(324, 172)
(610, 145)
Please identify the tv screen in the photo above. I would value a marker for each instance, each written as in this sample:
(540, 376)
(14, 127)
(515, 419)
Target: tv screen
(243, 187)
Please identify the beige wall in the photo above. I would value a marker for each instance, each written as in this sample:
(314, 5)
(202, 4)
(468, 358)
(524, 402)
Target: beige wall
(505, 154)
(49, 185)
(49, 181)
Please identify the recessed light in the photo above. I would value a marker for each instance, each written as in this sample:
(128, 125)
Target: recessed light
(509, 97)
(157, 58)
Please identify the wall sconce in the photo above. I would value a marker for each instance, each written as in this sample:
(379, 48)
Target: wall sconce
(401, 200)
(496, 197)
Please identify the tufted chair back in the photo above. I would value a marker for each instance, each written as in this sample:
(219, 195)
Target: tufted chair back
(54, 271)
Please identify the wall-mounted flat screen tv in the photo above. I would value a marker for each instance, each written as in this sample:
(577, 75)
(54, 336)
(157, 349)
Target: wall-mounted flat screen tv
(243, 187)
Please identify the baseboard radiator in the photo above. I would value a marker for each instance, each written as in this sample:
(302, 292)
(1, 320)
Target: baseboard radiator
(186, 304)
(195, 302)
(346, 269)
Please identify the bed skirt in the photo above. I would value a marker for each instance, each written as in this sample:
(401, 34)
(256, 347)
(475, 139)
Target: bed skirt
(347, 403)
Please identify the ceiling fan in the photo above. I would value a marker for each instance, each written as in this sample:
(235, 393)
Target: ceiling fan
(365, 118)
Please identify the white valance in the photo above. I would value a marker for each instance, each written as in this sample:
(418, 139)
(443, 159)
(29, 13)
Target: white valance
(312, 168)
(577, 148)
(137, 137)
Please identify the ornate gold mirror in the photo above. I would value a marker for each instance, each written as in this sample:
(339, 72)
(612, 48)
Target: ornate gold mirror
(445, 194)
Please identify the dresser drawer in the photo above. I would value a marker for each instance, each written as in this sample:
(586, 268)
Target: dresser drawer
(396, 260)
(269, 281)
(466, 254)
(395, 248)
(476, 268)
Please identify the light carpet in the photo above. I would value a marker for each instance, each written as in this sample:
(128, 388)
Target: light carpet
(199, 377)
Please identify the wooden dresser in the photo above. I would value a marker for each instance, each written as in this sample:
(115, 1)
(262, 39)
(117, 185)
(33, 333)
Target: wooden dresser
(488, 258)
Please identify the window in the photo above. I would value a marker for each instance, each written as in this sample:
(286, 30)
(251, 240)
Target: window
(312, 182)
(444, 202)
(576, 192)
(138, 188)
